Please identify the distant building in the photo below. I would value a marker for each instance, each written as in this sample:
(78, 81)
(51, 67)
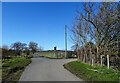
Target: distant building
(55, 48)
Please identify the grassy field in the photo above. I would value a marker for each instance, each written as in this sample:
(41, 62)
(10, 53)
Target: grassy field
(13, 68)
(90, 73)
(51, 54)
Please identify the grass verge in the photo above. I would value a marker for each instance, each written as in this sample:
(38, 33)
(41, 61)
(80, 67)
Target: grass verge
(92, 73)
(13, 68)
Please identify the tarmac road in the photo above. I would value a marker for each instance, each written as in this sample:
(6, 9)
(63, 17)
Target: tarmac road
(42, 69)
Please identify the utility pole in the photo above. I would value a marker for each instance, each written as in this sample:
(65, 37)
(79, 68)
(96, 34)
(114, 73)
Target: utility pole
(65, 41)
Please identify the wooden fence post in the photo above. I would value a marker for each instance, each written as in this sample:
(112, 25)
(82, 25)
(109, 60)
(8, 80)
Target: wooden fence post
(108, 65)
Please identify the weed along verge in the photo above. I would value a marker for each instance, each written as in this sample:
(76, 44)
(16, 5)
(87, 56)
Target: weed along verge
(92, 73)
(13, 68)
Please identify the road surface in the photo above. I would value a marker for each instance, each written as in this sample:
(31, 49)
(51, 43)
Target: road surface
(42, 69)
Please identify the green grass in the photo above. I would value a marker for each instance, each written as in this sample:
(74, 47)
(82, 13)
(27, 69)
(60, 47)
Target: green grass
(90, 73)
(13, 68)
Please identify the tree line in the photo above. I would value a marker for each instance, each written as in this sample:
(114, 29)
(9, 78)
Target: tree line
(96, 33)
(20, 49)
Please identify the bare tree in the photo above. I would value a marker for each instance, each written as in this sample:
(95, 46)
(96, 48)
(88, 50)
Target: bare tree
(33, 47)
(18, 47)
(100, 26)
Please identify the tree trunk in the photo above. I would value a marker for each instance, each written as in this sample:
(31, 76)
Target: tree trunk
(84, 58)
(81, 55)
(78, 55)
(92, 59)
(101, 60)
(97, 55)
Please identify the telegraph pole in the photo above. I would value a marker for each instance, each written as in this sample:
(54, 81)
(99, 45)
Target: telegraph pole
(65, 41)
